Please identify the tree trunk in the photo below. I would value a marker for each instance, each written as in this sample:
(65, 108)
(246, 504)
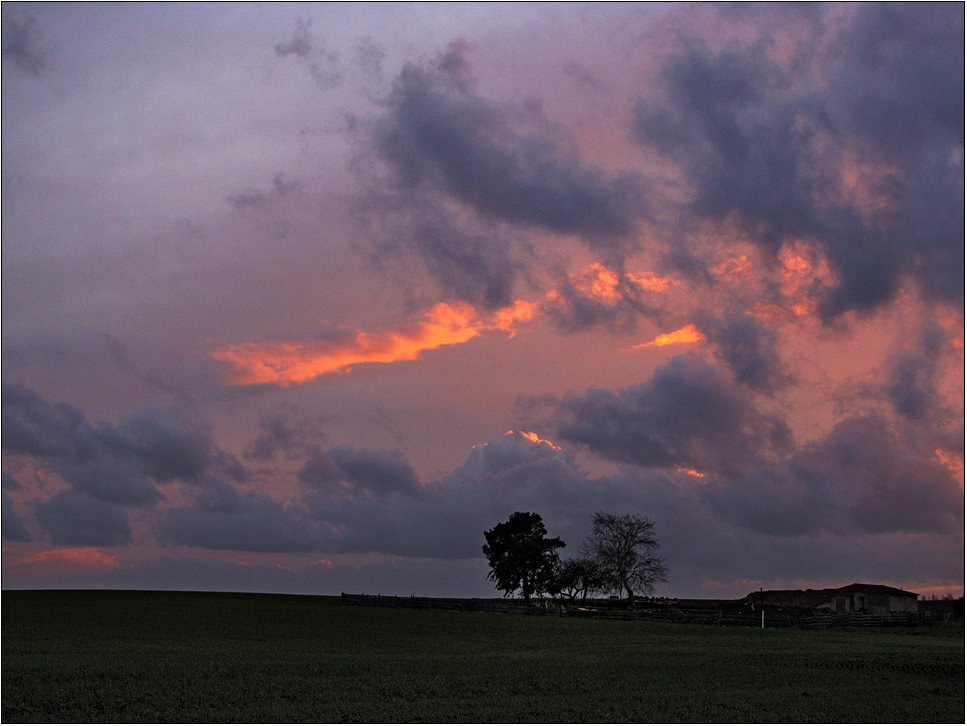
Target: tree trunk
(631, 595)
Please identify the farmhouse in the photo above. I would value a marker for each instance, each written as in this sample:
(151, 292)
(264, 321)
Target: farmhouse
(855, 598)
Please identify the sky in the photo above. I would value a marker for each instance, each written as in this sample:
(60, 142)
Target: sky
(304, 298)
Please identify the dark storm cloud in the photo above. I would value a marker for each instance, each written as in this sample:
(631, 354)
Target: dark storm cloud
(763, 144)
(34, 427)
(448, 521)
(404, 527)
(460, 179)
(279, 435)
(915, 388)
(703, 543)
(376, 470)
(863, 478)
(115, 464)
(110, 480)
(321, 472)
(901, 77)
(439, 134)
(73, 518)
(868, 477)
(368, 471)
(167, 446)
(573, 308)
(9, 483)
(688, 414)
(13, 529)
(747, 347)
(469, 264)
(22, 46)
(222, 518)
(911, 387)
(912, 384)
(470, 260)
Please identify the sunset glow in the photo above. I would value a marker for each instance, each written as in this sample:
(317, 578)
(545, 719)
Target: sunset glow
(520, 312)
(295, 362)
(72, 558)
(306, 297)
(732, 269)
(688, 334)
(598, 282)
(530, 436)
(649, 281)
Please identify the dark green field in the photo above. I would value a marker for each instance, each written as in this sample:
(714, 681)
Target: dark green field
(82, 656)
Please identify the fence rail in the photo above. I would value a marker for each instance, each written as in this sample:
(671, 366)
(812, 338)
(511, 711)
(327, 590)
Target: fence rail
(826, 620)
(478, 605)
(737, 615)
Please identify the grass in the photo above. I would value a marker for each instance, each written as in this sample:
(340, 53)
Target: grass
(102, 656)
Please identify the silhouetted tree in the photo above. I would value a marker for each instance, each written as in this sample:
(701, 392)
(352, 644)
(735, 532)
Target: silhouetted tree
(521, 556)
(625, 548)
(581, 576)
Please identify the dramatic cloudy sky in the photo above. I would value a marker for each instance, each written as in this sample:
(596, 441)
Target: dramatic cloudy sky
(304, 298)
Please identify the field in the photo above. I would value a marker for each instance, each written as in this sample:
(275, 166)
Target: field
(102, 656)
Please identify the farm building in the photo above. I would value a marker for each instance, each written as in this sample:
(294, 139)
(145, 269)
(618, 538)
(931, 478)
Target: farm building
(855, 598)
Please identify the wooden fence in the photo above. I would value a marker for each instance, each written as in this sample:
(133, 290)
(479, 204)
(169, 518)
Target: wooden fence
(735, 615)
(467, 605)
(826, 620)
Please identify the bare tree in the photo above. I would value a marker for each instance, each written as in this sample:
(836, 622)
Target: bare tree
(625, 548)
(581, 576)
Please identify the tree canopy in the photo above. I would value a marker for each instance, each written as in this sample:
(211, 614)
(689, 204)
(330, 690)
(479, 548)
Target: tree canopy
(521, 556)
(626, 550)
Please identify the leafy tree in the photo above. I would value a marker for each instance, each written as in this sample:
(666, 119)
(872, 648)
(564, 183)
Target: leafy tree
(521, 556)
(581, 576)
(625, 548)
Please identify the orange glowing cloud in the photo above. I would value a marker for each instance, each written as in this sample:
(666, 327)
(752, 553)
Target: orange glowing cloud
(285, 363)
(649, 281)
(288, 362)
(732, 268)
(530, 436)
(291, 362)
(688, 334)
(508, 317)
(952, 321)
(691, 472)
(954, 462)
(802, 276)
(599, 283)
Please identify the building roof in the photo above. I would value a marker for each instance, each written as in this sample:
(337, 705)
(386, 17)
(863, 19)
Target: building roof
(817, 597)
(885, 589)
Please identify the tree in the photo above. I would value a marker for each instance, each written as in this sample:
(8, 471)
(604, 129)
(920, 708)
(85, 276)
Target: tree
(625, 548)
(581, 576)
(521, 556)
